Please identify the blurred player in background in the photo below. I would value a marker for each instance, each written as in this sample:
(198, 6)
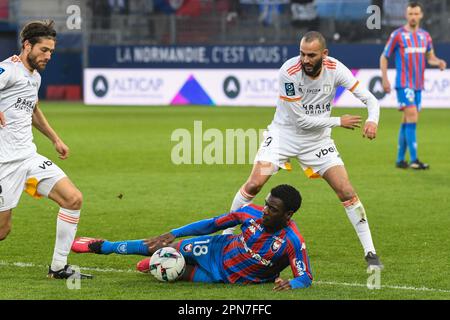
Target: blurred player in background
(301, 128)
(412, 46)
(21, 167)
(270, 241)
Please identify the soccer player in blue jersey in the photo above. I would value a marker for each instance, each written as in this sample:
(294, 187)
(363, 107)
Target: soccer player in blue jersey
(412, 46)
(270, 241)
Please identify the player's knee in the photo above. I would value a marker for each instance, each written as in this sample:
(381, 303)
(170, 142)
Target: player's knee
(74, 201)
(346, 193)
(253, 187)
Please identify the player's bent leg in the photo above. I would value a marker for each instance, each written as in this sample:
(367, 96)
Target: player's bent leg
(70, 200)
(337, 178)
(5, 224)
(66, 194)
(261, 173)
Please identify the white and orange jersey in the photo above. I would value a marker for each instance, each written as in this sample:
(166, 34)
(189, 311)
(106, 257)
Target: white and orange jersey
(305, 104)
(18, 98)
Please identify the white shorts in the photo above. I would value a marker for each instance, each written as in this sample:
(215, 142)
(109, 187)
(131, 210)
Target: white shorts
(36, 176)
(314, 158)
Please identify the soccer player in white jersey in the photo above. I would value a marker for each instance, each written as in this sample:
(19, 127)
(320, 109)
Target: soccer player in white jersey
(21, 167)
(301, 128)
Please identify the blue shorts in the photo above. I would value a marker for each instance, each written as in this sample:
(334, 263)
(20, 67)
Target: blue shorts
(205, 253)
(408, 97)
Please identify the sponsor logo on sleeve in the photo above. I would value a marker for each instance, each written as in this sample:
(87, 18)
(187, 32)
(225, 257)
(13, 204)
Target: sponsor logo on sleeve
(300, 266)
(290, 91)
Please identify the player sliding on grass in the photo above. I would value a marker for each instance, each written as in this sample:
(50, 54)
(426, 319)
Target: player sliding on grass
(302, 126)
(269, 242)
(21, 167)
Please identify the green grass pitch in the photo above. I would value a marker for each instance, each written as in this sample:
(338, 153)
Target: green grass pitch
(121, 161)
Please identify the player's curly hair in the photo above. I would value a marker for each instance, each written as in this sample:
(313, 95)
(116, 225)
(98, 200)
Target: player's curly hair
(35, 30)
(291, 197)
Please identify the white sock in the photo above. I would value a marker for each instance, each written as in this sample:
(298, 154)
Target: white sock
(357, 215)
(241, 198)
(66, 228)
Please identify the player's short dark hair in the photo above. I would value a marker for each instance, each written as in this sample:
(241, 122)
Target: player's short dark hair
(292, 200)
(414, 4)
(35, 30)
(315, 35)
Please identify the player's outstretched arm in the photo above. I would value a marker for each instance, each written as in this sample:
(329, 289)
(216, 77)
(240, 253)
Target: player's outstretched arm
(161, 241)
(198, 228)
(40, 122)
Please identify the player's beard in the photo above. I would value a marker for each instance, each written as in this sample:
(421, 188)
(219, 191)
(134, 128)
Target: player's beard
(33, 63)
(315, 70)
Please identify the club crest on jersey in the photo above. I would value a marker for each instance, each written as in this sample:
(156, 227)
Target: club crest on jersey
(326, 88)
(252, 229)
(276, 245)
(188, 247)
(2, 70)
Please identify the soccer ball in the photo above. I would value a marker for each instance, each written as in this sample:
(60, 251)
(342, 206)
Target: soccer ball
(167, 264)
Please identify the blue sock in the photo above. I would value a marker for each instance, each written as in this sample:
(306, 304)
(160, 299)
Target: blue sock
(411, 140)
(402, 145)
(125, 247)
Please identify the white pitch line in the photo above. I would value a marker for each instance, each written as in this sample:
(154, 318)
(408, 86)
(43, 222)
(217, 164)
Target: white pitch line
(333, 283)
(317, 282)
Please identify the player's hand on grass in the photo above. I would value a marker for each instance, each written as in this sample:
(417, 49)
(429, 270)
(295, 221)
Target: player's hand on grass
(160, 241)
(62, 149)
(2, 120)
(281, 284)
(350, 122)
(386, 85)
(370, 130)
